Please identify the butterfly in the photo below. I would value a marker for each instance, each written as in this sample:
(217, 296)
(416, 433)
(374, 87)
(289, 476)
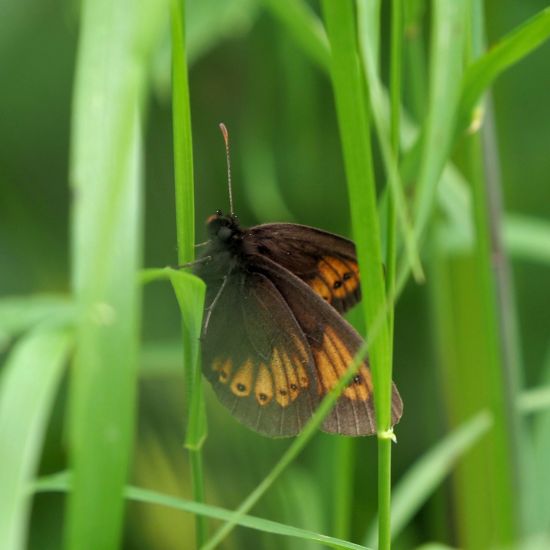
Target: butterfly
(274, 339)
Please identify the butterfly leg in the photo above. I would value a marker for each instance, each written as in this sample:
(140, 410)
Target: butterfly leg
(210, 308)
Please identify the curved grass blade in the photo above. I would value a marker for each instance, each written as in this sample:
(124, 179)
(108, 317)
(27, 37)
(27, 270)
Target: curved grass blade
(20, 313)
(28, 387)
(61, 482)
(509, 50)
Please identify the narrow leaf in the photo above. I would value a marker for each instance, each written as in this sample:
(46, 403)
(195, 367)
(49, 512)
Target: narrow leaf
(28, 387)
(20, 313)
(512, 48)
(190, 292)
(106, 173)
(61, 482)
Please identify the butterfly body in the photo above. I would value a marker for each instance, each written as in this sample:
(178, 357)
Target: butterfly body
(274, 341)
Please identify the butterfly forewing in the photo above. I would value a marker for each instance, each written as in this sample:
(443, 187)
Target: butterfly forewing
(257, 357)
(325, 262)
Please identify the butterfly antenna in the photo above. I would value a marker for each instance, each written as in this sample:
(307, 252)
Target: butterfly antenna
(225, 134)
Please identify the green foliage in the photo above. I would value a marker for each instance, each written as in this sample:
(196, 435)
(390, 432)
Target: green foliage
(365, 121)
(26, 397)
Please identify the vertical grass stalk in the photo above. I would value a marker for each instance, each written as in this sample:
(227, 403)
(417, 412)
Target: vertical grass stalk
(384, 447)
(185, 221)
(395, 116)
(502, 482)
(353, 119)
(106, 174)
(446, 68)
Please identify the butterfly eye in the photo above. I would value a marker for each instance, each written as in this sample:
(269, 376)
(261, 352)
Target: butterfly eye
(219, 212)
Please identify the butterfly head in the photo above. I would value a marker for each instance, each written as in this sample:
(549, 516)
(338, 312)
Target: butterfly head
(222, 227)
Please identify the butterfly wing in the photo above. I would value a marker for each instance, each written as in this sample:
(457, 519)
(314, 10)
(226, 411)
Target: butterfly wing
(257, 357)
(327, 263)
(333, 343)
(273, 348)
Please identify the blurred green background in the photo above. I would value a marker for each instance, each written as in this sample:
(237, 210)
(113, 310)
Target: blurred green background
(246, 71)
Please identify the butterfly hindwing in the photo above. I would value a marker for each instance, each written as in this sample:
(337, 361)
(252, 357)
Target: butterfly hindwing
(257, 357)
(327, 263)
(333, 342)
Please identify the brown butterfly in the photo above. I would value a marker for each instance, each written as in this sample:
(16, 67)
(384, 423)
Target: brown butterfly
(274, 341)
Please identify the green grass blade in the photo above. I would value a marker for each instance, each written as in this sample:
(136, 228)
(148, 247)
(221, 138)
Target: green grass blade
(353, 121)
(106, 173)
(60, 482)
(428, 472)
(20, 313)
(500, 342)
(304, 27)
(455, 232)
(534, 400)
(251, 522)
(512, 48)
(28, 387)
(183, 143)
(309, 32)
(189, 291)
(415, 57)
(384, 132)
(475, 81)
(396, 69)
(527, 238)
(354, 129)
(343, 468)
(368, 26)
(541, 456)
(446, 66)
